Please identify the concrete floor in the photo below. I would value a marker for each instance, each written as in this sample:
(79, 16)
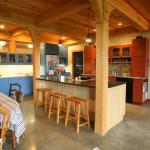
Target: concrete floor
(43, 134)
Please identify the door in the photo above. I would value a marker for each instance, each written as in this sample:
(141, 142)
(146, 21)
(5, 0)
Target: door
(77, 63)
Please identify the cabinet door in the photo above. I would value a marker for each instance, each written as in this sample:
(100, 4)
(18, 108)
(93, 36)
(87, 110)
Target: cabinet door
(116, 51)
(3, 58)
(138, 91)
(89, 59)
(63, 55)
(12, 58)
(139, 47)
(126, 51)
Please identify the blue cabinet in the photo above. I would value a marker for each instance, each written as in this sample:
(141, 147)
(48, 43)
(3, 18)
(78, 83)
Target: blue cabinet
(15, 59)
(63, 55)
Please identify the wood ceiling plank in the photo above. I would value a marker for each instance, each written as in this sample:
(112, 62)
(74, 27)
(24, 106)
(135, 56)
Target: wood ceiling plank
(131, 13)
(60, 12)
(143, 7)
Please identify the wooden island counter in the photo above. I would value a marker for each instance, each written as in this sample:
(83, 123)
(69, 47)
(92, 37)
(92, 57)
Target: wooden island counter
(86, 89)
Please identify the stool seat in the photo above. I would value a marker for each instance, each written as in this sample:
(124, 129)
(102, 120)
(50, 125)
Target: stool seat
(79, 102)
(44, 92)
(57, 98)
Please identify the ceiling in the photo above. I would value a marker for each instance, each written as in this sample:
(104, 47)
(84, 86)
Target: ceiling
(66, 18)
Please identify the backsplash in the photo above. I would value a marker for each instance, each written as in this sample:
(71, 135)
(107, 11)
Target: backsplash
(120, 69)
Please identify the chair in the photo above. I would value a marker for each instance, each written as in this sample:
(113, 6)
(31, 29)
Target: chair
(78, 102)
(18, 96)
(14, 87)
(5, 121)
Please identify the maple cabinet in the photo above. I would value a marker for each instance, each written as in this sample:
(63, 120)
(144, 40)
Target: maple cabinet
(139, 66)
(89, 59)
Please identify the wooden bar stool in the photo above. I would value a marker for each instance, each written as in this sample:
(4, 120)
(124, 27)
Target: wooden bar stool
(79, 102)
(44, 92)
(57, 99)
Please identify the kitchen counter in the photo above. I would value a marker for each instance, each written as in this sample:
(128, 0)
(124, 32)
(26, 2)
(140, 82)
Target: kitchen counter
(86, 89)
(130, 77)
(85, 83)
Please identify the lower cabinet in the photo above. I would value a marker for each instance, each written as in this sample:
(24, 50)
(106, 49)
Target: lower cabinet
(140, 90)
(25, 82)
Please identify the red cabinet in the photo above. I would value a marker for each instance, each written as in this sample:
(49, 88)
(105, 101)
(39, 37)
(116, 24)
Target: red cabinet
(120, 54)
(139, 66)
(139, 90)
(89, 57)
(111, 78)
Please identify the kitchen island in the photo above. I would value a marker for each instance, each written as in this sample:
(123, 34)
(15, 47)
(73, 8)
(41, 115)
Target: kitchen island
(86, 89)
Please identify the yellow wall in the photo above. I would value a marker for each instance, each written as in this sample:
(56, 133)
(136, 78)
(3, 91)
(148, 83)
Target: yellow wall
(72, 49)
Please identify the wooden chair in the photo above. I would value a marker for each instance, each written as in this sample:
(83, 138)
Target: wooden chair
(59, 100)
(44, 92)
(5, 121)
(78, 102)
(18, 96)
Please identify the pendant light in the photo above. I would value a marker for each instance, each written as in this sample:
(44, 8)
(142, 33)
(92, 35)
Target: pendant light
(88, 39)
(59, 35)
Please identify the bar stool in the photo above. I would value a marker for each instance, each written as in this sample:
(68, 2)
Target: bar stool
(79, 102)
(44, 92)
(57, 99)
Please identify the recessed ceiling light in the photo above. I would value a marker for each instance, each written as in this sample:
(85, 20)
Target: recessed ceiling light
(120, 24)
(2, 43)
(2, 26)
(94, 30)
(30, 45)
(63, 38)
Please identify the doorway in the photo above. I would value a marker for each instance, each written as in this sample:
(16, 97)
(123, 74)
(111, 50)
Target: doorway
(77, 63)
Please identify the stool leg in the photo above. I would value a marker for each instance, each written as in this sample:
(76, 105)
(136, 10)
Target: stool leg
(87, 114)
(46, 97)
(58, 110)
(50, 107)
(67, 113)
(78, 119)
(37, 100)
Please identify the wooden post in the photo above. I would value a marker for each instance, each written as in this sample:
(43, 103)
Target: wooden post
(12, 44)
(102, 43)
(35, 34)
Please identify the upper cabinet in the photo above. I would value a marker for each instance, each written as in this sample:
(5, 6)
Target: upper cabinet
(3, 58)
(54, 49)
(120, 54)
(63, 55)
(139, 67)
(89, 59)
(15, 59)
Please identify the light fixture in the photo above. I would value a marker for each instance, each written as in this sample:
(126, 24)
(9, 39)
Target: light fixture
(120, 24)
(94, 30)
(30, 45)
(60, 37)
(2, 43)
(88, 39)
(2, 26)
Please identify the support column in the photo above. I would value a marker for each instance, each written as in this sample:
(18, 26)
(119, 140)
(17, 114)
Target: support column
(102, 43)
(36, 56)
(12, 44)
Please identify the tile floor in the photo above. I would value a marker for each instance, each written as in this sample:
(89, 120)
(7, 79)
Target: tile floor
(43, 134)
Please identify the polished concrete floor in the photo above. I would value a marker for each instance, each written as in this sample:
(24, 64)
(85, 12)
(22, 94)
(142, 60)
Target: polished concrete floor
(43, 134)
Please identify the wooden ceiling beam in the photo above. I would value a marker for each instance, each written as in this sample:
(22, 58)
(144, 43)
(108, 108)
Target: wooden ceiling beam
(131, 13)
(67, 9)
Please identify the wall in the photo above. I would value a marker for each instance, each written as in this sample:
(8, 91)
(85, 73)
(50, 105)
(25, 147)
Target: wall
(16, 70)
(71, 49)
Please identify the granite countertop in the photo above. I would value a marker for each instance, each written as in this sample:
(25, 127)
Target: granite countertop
(85, 83)
(130, 77)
